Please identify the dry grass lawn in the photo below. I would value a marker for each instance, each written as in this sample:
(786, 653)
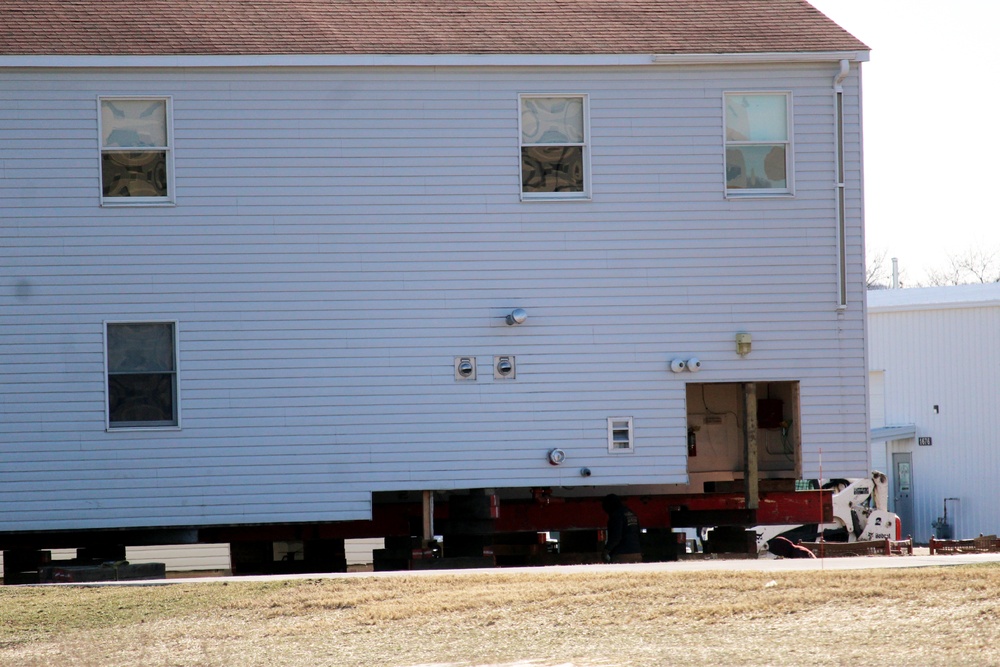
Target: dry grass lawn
(927, 616)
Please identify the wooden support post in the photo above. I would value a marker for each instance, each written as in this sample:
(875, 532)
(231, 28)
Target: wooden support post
(750, 476)
(428, 536)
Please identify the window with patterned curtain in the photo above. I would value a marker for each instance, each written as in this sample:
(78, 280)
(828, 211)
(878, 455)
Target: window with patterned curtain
(758, 147)
(135, 151)
(553, 146)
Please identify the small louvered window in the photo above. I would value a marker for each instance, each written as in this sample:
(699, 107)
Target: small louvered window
(620, 435)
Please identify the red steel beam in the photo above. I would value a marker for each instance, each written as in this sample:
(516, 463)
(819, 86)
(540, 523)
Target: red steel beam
(776, 508)
(547, 513)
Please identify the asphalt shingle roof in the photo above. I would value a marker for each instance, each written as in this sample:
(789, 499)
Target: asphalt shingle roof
(356, 27)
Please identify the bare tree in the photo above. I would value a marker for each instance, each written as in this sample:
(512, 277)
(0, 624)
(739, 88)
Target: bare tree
(877, 274)
(982, 264)
(975, 265)
(949, 275)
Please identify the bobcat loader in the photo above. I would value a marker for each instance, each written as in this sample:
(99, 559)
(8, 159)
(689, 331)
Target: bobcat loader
(860, 513)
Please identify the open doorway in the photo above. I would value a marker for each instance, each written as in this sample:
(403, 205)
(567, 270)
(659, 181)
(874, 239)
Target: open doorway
(716, 415)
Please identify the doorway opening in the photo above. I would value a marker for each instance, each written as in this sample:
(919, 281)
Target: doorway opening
(716, 420)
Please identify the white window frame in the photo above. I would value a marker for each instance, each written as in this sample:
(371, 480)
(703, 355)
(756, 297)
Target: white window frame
(741, 193)
(585, 145)
(108, 426)
(169, 199)
(612, 445)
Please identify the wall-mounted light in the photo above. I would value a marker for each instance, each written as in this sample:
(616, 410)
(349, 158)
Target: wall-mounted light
(743, 343)
(556, 456)
(517, 316)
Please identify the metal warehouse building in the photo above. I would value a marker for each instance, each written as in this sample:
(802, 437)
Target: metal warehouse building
(935, 405)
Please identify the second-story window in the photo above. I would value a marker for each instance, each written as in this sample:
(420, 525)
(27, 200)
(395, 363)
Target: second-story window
(135, 150)
(758, 147)
(554, 147)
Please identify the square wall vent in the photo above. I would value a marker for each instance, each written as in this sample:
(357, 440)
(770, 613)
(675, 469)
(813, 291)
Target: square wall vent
(620, 439)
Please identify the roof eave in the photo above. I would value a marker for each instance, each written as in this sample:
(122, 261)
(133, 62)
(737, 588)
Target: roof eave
(941, 305)
(421, 60)
(761, 58)
(896, 432)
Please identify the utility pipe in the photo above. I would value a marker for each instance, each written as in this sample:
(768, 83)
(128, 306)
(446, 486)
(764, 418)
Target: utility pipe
(838, 97)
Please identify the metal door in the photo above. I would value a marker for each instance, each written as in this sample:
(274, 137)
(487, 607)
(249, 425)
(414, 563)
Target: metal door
(902, 490)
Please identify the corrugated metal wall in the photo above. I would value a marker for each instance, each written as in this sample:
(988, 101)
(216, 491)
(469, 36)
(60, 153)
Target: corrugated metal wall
(945, 355)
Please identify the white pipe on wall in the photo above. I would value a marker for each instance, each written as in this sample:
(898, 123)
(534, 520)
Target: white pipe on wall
(838, 98)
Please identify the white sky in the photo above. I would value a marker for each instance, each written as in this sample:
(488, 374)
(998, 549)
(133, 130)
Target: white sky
(932, 162)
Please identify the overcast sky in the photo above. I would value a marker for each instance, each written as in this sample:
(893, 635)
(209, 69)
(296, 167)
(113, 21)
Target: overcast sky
(931, 103)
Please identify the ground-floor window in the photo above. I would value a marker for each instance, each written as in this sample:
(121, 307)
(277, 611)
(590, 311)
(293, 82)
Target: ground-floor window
(141, 374)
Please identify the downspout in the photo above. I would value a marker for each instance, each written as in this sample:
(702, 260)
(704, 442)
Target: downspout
(838, 94)
(845, 69)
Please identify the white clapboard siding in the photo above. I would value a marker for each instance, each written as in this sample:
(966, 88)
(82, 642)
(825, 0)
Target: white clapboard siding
(213, 557)
(938, 347)
(177, 558)
(183, 557)
(359, 551)
(340, 235)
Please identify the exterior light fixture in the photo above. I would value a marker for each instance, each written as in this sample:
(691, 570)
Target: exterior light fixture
(743, 343)
(517, 316)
